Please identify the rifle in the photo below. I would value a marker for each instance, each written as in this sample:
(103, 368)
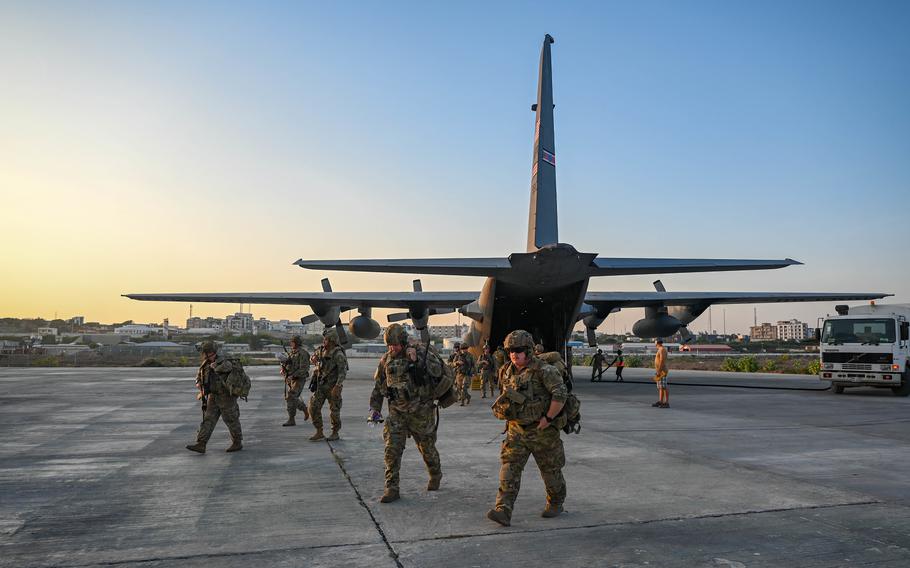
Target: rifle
(317, 368)
(204, 385)
(284, 369)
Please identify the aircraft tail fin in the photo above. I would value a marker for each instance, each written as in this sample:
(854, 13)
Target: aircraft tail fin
(542, 218)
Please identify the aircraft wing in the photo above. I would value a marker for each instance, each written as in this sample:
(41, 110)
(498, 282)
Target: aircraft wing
(623, 266)
(657, 299)
(448, 266)
(346, 300)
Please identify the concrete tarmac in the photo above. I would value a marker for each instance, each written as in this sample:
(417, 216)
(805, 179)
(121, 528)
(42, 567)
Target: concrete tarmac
(93, 471)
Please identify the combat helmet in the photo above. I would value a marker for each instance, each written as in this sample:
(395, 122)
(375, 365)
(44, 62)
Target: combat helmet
(296, 339)
(332, 335)
(395, 335)
(538, 349)
(208, 347)
(519, 338)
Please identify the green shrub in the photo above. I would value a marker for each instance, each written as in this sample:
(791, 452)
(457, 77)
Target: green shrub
(769, 367)
(748, 364)
(731, 365)
(150, 362)
(633, 361)
(814, 367)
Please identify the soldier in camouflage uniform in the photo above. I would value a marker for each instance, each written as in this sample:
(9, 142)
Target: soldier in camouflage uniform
(295, 369)
(403, 378)
(533, 395)
(331, 369)
(487, 367)
(464, 370)
(216, 400)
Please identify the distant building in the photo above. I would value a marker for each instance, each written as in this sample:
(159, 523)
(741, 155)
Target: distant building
(204, 323)
(235, 348)
(792, 330)
(239, 323)
(76, 320)
(763, 332)
(447, 331)
(47, 331)
(138, 330)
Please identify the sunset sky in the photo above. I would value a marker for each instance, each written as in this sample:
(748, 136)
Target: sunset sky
(204, 147)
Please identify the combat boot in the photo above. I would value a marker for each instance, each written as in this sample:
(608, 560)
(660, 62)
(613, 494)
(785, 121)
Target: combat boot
(433, 484)
(389, 495)
(500, 516)
(235, 446)
(551, 511)
(317, 436)
(333, 436)
(197, 447)
(291, 422)
(301, 406)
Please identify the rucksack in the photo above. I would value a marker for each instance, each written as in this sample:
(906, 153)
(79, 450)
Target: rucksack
(238, 382)
(571, 411)
(442, 388)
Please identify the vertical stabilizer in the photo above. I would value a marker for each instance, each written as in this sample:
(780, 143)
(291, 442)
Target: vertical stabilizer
(542, 220)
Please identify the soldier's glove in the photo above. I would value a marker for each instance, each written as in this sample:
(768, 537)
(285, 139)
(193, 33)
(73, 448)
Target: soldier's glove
(375, 416)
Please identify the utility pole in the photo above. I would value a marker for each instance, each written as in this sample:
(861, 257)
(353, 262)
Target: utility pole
(725, 322)
(754, 316)
(710, 323)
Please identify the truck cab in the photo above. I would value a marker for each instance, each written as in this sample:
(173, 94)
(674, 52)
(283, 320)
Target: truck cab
(866, 346)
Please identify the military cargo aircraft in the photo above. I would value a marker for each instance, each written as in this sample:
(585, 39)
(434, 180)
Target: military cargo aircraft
(543, 290)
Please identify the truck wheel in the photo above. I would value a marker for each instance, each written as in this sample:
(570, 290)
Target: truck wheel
(838, 389)
(904, 389)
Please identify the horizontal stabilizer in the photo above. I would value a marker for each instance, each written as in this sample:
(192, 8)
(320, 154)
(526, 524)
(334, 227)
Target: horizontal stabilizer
(349, 300)
(447, 266)
(624, 266)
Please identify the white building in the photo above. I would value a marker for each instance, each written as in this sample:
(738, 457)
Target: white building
(47, 331)
(792, 330)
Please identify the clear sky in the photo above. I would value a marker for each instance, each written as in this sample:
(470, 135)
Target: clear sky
(203, 146)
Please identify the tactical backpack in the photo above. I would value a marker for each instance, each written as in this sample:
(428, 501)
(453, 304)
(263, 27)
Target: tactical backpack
(571, 411)
(238, 382)
(442, 387)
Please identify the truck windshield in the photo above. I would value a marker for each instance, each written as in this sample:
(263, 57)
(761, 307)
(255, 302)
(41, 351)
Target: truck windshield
(863, 331)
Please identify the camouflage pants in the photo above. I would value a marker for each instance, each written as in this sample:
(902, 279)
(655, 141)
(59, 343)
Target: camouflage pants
(486, 380)
(419, 425)
(323, 393)
(292, 397)
(225, 407)
(546, 447)
(463, 387)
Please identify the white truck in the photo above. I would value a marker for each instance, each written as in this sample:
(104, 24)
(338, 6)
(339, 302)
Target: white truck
(866, 346)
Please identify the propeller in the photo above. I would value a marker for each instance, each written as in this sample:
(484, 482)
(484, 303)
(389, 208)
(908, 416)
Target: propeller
(419, 314)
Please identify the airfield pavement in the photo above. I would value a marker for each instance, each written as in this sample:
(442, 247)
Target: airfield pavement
(93, 471)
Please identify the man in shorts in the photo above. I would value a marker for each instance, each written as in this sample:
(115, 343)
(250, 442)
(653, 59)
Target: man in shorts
(660, 376)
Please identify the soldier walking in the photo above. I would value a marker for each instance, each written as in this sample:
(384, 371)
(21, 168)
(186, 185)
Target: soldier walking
(487, 367)
(217, 401)
(331, 367)
(597, 363)
(295, 369)
(464, 371)
(403, 379)
(533, 395)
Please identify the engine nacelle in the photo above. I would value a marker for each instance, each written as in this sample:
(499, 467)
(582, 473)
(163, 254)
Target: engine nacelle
(364, 327)
(661, 325)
